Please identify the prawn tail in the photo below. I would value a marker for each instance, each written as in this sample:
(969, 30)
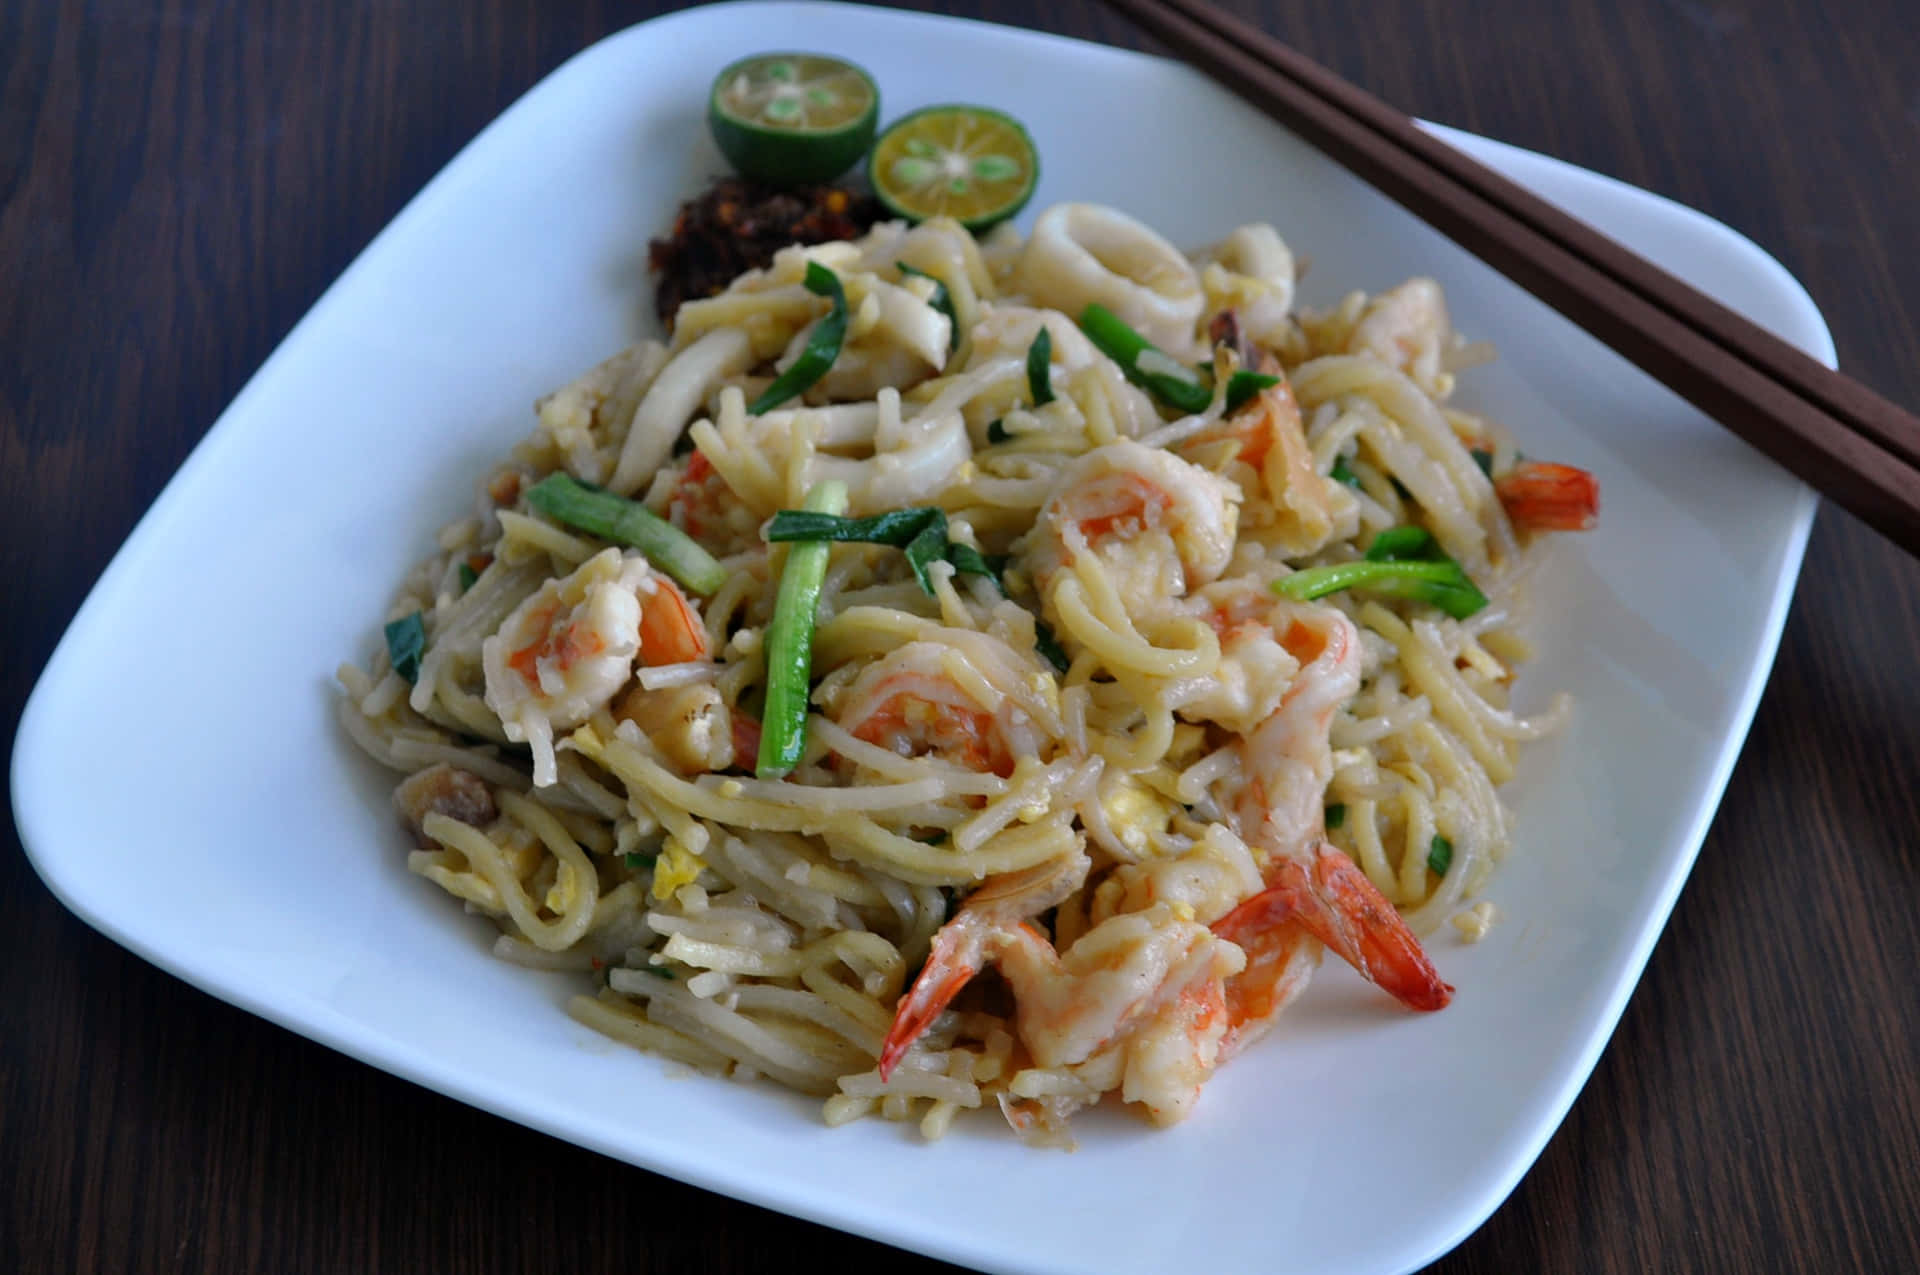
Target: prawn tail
(950, 967)
(1333, 899)
(671, 631)
(1543, 496)
(1281, 957)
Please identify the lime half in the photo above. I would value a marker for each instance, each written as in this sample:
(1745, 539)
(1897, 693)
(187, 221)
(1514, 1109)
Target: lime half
(970, 163)
(793, 118)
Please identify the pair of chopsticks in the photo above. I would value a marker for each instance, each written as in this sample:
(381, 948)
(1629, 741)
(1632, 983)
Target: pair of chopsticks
(1857, 448)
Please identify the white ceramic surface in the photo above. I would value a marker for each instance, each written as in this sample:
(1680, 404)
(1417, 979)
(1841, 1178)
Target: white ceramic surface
(245, 847)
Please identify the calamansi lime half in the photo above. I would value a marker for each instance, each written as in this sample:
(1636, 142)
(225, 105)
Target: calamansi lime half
(793, 118)
(970, 163)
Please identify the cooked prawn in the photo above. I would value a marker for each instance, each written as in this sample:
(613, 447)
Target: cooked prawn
(1142, 992)
(1542, 496)
(566, 651)
(1287, 761)
(908, 702)
(1312, 889)
(1175, 519)
(1407, 328)
(1144, 983)
(1268, 439)
(700, 503)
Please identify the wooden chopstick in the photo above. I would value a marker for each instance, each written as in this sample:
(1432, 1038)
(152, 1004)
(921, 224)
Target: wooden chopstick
(1851, 444)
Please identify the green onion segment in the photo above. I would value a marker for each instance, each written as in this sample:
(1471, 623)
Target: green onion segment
(1180, 387)
(822, 348)
(921, 532)
(565, 499)
(783, 726)
(1402, 562)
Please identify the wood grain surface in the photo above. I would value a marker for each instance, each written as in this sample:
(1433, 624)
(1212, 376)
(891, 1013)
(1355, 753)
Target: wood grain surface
(180, 180)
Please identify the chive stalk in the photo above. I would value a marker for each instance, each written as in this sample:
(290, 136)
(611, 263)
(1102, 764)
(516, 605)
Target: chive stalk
(1402, 562)
(1160, 374)
(822, 348)
(920, 531)
(626, 522)
(783, 726)
(1182, 388)
(1440, 584)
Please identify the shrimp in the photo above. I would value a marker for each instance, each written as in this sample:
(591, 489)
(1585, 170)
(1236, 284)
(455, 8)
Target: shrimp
(690, 725)
(1542, 496)
(1157, 992)
(1140, 994)
(1407, 328)
(1176, 519)
(566, 651)
(1267, 437)
(908, 702)
(1313, 892)
(1287, 760)
(1324, 899)
(700, 503)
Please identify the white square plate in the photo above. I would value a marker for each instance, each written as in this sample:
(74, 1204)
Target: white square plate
(245, 847)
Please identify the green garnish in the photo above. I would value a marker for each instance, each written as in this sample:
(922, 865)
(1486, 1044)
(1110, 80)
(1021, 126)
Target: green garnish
(601, 513)
(938, 837)
(1440, 855)
(468, 576)
(1243, 385)
(1483, 458)
(822, 348)
(1039, 367)
(638, 861)
(1342, 473)
(921, 531)
(658, 971)
(941, 301)
(1402, 562)
(1185, 389)
(1163, 376)
(1336, 815)
(997, 431)
(1049, 646)
(1405, 544)
(968, 560)
(783, 725)
(406, 643)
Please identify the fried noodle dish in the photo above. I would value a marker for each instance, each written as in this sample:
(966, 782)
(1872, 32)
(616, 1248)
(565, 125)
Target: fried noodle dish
(957, 672)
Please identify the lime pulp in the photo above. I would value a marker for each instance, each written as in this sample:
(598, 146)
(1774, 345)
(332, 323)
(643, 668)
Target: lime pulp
(971, 163)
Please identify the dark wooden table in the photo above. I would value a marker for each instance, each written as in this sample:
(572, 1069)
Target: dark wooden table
(179, 180)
